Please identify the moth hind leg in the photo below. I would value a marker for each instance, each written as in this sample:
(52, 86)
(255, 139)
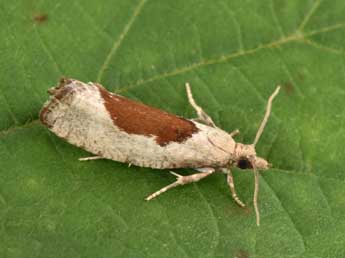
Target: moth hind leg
(202, 115)
(183, 180)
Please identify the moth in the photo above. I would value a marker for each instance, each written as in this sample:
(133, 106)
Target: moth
(113, 127)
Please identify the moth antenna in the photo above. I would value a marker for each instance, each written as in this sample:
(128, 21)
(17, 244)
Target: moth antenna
(256, 193)
(267, 114)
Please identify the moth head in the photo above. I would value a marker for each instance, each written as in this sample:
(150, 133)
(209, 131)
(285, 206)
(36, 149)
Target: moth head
(251, 162)
(245, 155)
(246, 158)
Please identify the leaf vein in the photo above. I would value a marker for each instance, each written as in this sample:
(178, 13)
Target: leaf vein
(216, 226)
(325, 198)
(308, 15)
(297, 37)
(238, 26)
(118, 42)
(47, 51)
(323, 47)
(287, 212)
(276, 20)
(9, 109)
(288, 72)
(91, 20)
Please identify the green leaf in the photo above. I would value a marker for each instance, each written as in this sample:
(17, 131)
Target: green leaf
(233, 53)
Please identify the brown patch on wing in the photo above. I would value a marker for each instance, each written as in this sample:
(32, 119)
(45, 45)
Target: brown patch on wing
(43, 113)
(60, 91)
(136, 118)
(42, 116)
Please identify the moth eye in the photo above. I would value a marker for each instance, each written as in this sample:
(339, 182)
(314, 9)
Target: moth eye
(244, 164)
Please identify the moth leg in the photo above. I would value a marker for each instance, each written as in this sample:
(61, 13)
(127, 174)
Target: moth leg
(202, 116)
(234, 133)
(90, 158)
(230, 180)
(183, 180)
(205, 170)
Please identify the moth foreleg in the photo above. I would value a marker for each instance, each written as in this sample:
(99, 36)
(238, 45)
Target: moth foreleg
(182, 180)
(234, 133)
(230, 180)
(90, 158)
(202, 116)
